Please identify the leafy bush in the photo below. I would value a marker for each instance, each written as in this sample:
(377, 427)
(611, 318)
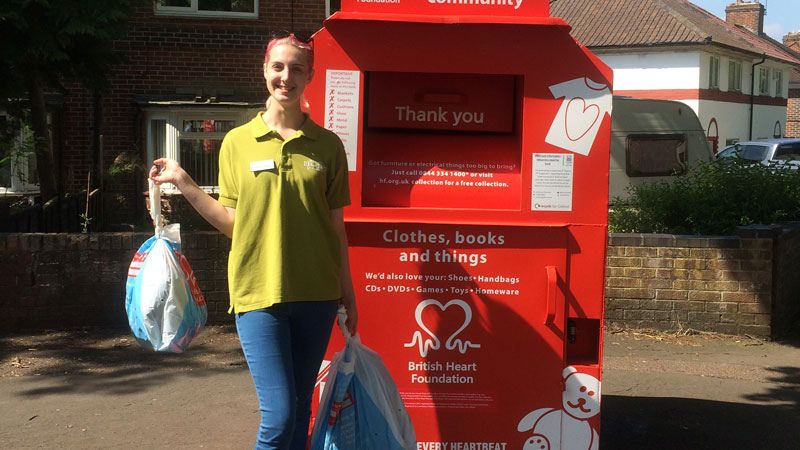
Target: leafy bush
(713, 198)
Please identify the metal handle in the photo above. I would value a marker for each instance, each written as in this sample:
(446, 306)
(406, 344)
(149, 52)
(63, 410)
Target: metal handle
(552, 291)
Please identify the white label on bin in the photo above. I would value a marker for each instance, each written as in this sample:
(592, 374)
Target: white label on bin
(580, 115)
(552, 182)
(342, 88)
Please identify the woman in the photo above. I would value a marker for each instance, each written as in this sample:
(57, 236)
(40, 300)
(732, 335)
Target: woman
(283, 184)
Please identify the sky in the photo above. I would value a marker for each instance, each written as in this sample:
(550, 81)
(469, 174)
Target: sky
(782, 16)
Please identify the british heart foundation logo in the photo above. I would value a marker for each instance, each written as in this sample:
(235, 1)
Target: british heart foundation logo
(582, 109)
(432, 313)
(580, 118)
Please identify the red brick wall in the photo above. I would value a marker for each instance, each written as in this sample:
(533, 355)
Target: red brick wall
(792, 40)
(744, 284)
(730, 284)
(165, 54)
(793, 114)
(77, 280)
(666, 282)
(749, 15)
(786, 309)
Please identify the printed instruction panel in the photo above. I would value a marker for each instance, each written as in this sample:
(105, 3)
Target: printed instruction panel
(552, 185)
(342, 89)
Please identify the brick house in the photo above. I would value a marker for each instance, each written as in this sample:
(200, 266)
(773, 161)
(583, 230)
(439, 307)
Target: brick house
(191, 74)
(675, 50)
(792, 41)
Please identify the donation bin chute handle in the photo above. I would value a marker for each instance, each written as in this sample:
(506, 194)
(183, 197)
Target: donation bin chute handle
(552, 293)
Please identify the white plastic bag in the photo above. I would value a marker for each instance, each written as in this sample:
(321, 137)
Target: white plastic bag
(165, 307)
(360, 407)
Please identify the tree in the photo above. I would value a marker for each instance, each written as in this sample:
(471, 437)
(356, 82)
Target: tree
(47, 42)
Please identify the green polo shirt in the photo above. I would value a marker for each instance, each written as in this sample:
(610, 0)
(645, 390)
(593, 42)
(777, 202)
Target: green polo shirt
(284, 246)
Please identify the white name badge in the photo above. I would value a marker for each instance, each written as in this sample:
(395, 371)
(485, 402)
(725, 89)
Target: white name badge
(258, 166)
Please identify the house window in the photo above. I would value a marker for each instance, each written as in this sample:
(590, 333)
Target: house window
(713, 73)
(192, 137)
(331, 6)
(763, 80)
(778, 74)
(17, 158)
(208, 8)
(734, 75)
(652, 155)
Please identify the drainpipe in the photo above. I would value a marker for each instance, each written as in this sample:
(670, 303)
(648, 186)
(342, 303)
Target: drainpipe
(753, 94)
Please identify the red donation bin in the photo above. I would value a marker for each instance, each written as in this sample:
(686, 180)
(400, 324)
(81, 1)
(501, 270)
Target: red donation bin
(477, 134)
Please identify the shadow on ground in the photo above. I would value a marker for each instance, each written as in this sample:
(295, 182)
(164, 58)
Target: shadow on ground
(787, 392)
(683, 423)
(110, 361)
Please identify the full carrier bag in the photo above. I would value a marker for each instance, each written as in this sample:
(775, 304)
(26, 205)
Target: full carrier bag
(165, 307)
(360, 407)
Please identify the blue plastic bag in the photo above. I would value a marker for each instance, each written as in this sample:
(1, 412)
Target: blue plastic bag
(360, 407)
(165, 307)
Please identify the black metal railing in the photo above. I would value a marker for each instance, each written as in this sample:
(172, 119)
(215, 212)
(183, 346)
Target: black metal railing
(63, 214)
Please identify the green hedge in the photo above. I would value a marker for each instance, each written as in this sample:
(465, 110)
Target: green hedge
(713, 198)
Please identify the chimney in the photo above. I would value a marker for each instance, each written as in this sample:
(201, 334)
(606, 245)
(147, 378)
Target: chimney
(792, 40)
(749, 14)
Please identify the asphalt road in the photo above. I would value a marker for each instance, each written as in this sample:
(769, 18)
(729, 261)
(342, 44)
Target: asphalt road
(98, 390)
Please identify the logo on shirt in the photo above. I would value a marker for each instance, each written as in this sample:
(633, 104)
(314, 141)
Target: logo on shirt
(314, 165)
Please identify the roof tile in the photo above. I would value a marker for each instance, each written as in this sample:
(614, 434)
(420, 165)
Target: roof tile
(645, 23)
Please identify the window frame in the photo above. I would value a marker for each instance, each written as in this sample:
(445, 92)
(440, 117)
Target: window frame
(174, 117)
(193, 11)
(777, 76)
(21, 171)
(732, 141)
(642, 136)
(735, 75)
(329, 7)
(763, 81)
(713, 72)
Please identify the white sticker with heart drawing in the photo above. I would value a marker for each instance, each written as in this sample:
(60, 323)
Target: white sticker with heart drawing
(432, 341)
(580, 115)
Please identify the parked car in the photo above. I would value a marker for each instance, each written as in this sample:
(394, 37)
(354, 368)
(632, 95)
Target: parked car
(766, 151)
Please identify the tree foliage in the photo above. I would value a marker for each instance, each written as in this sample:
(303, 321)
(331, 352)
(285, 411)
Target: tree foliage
(59, 40)
(713, 198)
(48, 42)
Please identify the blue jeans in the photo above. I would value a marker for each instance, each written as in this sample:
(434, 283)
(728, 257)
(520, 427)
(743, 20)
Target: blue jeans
(284, 346)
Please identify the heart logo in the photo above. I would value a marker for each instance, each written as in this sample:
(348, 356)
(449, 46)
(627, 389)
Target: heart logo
(432, 342)
(580, 118)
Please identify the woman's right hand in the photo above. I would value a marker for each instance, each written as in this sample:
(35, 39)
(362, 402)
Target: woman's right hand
(167, 170)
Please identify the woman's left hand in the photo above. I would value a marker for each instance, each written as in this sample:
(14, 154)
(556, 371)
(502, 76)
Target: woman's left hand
(348, 299)
(351, 322)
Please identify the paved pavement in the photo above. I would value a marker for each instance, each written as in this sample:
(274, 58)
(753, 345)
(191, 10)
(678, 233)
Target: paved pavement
(700, 392)
(99, 390)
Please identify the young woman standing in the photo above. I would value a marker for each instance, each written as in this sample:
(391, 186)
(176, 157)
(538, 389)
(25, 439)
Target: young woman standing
(283, 183)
